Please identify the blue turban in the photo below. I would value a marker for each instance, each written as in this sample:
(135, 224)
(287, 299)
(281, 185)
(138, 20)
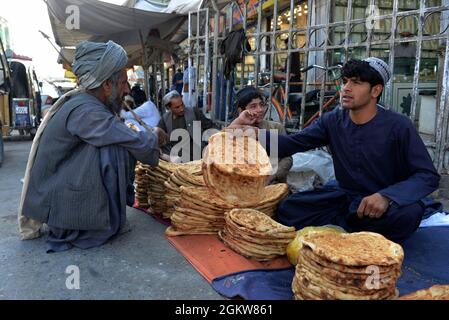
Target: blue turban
(96, 62)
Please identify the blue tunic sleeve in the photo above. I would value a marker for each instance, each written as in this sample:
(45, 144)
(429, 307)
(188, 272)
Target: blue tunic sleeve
(97, 126)
(423, 178)
(312, 137)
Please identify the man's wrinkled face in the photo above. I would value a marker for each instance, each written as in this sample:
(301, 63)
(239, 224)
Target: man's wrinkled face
(177, 106)
(355, 93)
(118, 91)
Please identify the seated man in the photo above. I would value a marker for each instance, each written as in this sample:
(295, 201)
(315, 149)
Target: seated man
(251, 99)
(180, 117)
(382, 166)
(78, 183)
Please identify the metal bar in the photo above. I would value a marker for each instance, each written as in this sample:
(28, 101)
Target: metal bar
(358, 44)
(228, 82)
(242, 73)
(258, 40)
(206, 61)
(287, 72)
(189, 56)
(370, 30)
(389, 86)
(325, 57)
(273, 45)
(415, 90)
(347, 29)
(442, 120)
(214, 61)
(306, 62)
(197, 63)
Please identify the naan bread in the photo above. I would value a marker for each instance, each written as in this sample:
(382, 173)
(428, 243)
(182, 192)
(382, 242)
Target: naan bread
(355, 249)
(258, 221)
(235, 168)
(333, 292)
(436, 292)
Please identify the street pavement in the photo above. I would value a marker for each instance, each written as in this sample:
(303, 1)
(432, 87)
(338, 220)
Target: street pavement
(140, 264)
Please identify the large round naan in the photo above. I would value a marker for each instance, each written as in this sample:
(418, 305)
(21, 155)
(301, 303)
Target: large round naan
(260, 222)
(355, 249)
(236, 168)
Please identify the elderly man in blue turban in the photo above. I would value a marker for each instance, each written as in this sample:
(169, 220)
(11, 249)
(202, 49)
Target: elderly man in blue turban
(78, 174)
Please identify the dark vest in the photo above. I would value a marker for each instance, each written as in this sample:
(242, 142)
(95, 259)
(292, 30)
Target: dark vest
(189, 116)
(66, 188)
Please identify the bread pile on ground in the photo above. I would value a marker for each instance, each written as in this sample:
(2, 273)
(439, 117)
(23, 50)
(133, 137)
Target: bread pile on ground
(347, 266)
(150, 184)
(253, 234)
(189, 175)
(436, 292)
(200, 208)
(142, 182)
(197, 212)
(156, 188)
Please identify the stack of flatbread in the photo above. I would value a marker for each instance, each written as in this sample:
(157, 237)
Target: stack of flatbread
(347, 266)
(141, 184)
(436, 292)
(187, 176)
(253, 234)
(235, 169)
(271, 196)
(157, 178)
(197, 211)
(156, 188)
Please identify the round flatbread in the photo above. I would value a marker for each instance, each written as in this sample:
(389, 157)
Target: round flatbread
(235, 168)
(383, 270)
(436, 292)
(355, 249)
(258, 221)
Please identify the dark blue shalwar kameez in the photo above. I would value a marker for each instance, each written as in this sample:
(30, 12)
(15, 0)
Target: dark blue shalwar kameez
(385, 155)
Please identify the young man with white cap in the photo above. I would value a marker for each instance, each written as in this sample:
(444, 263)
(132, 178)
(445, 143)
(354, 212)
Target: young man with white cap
(382, 166)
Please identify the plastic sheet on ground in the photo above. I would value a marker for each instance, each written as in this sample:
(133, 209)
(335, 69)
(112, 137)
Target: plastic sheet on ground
(310, 168)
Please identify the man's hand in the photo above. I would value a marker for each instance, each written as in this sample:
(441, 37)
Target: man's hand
(373, 206)
(162, 136)
(246, 118)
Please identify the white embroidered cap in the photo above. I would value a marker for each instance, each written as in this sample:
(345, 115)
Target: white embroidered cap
(381, 67)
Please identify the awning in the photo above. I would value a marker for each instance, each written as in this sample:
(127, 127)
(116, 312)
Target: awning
(100, 21)
(173, 6)
(180, 7)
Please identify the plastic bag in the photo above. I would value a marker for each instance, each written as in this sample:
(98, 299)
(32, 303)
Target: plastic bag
(309, 169)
